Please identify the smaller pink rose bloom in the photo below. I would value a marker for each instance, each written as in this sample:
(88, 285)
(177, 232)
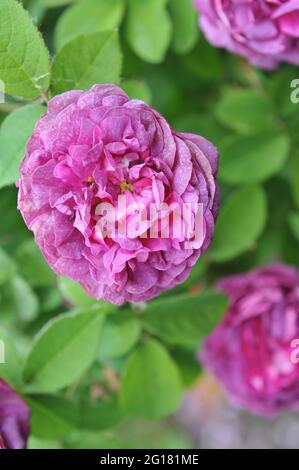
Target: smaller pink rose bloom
(98, 161)
(265, 32)
(251, 350)
(14, 419)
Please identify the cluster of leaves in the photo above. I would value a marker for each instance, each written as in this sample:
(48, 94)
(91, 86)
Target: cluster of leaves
(95, 366)
(84, 367)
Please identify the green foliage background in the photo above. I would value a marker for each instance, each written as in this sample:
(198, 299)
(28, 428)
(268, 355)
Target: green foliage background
(94, 375)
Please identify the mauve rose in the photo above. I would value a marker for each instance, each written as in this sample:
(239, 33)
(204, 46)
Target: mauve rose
(266, 32)
(250, 350)
(14, 419)
(91, 147)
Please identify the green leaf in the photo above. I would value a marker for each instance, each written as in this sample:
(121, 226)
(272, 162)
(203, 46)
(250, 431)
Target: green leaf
(7, 267)
(137, 89)
(14, 134)
(37, 443)
(88, 16)
(92, 440)
(249, 160)
(12, 228)
(185, 318)
(36, 10)
(294, 176)
(10, 369)
(149, 29)
(57, 3)
(204, 61)
(100, 416)
(240, 223)
(50, 298)
(246, 111)
(33, 266)
(24, 62)
(151, 384)
(24, 299)
(121, 333)
(188, 365)
(196, 274)
(74, 293)
(51, 416)
(293, 221)
(202, 124)
(63, 350)
(270, 247)
(185, 25)
(86, 60)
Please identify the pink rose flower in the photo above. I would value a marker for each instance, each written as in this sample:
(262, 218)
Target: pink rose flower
(250, 351)
(93, 147)
(14, 419)
(266, 32)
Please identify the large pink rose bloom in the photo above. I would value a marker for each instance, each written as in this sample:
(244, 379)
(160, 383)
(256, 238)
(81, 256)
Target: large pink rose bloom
(250, 351)
(91, 147)
(266, 32)
(14, 419)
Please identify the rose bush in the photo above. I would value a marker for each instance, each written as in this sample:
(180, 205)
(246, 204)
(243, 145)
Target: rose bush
(266, 32)
(250, 350)
(90, 148)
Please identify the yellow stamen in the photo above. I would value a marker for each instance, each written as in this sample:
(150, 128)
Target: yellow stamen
(125, 185)
(90, 180)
